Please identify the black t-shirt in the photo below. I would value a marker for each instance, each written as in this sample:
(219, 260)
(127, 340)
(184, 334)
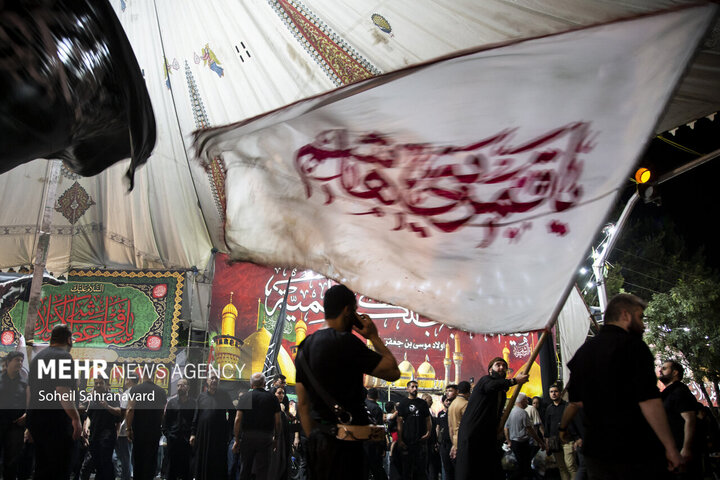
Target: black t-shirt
(414, 414)
(376, 413)
(149, 408)
(337, 361)
(259, 408)
(553, 415)
(442, 421)
(46, 412)
(101, 420)
(611, 373)
(12, 398)
(677, 399)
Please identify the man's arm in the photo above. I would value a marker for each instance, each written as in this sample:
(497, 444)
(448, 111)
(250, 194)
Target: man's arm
(237, 429)
(654, 413)
(303, 406)
(507, 436)
(116, 411)
(278, 428)
(428, 428)
(400, 431)
(70, 410)
(129, 417)
(387, 369)
(571, 410)
(688, 434)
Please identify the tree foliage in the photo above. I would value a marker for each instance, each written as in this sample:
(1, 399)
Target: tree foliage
(685, 319)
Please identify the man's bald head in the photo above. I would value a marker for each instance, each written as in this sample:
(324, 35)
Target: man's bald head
(257, 380)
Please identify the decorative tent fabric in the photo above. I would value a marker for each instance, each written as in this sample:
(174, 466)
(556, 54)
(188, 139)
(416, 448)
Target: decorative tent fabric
(214, 63)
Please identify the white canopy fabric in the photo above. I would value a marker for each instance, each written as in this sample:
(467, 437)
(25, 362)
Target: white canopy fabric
(572, 327)
(212, 63)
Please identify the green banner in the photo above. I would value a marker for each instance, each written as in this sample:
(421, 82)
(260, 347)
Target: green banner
(115, 315)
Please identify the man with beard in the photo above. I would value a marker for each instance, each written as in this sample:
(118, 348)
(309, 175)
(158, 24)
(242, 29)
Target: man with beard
(681, 409)
(103, 416)
(563, 453)
(177, 421)
(478, 442)
(331, 363)
(613, 378)
(211, 431)
(414, 426)
(54, 422)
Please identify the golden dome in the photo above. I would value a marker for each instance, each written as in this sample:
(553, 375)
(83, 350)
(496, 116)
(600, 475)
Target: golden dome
(407, 373)
(533, 388)
(228, 315)
(426, 374)
(230, 308)
(300, 331)
(253, 356)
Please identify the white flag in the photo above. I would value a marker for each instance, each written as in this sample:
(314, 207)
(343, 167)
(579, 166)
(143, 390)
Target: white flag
(467, 189)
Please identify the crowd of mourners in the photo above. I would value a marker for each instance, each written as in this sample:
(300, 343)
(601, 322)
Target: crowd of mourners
(611, 421)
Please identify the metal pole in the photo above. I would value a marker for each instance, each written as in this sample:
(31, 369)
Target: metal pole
(41, 252)
(600, 260)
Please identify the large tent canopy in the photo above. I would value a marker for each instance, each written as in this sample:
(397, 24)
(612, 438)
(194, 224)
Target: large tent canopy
(208, 64)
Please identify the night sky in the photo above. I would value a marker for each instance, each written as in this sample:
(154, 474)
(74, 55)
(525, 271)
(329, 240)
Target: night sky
(691, 199)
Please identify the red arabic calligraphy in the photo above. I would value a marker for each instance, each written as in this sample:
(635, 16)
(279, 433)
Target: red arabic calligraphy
(88, 316)
(428, 188)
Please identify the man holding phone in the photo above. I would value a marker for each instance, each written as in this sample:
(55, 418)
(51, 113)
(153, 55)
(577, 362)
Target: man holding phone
(333, 363)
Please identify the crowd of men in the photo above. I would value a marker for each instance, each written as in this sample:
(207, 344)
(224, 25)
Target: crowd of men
(616, 425)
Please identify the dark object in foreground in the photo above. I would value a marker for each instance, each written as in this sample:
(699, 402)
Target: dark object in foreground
(70, 88)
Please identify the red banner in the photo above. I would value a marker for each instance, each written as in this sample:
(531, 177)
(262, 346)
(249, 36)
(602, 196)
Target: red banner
(430, 352)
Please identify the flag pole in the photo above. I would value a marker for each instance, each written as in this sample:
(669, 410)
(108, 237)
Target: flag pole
(42, 247)
(525, 370)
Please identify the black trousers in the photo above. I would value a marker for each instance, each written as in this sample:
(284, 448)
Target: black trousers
(101, 448)
(523, 455)
(145, 455)
(374, 460)
(11, 443)
(53, 453)
(179, 456)
(447, 463)
(330, 459)
(255, 449)
(414, 461)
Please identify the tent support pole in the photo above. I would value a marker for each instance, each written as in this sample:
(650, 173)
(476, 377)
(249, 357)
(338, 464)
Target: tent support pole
(526, 370)
(41, 253)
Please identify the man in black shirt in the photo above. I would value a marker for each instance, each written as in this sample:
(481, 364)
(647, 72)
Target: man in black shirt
(414, 426)
(335, 361)
(375, 451)
(443, 433)
(257, 428)
(553, 414)
(681, 409)
(103, 416)
(144, 419)
(477, 439)
(53, 419)
(13, 402)
(613, 379)
(177, 422)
